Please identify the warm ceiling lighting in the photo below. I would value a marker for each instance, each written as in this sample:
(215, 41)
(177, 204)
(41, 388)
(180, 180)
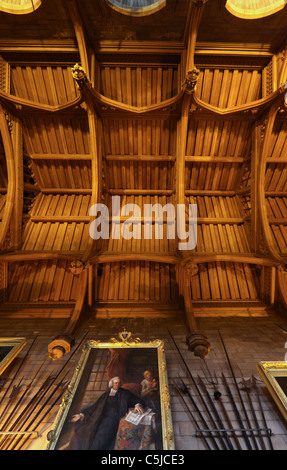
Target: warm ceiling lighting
(252, 9)
(136, 7)
(22, 7)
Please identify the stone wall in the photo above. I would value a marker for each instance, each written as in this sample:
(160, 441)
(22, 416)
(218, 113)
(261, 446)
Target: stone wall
(248, 340)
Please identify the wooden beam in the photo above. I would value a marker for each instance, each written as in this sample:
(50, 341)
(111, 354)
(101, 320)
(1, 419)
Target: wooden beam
(16, 221)
(209, 159)
(81, 36)
(260, 189)
(209, 192)
(140, 158)
(255, 218)
(144, 192)
(64, 156)
(66, 190)
(11, 188)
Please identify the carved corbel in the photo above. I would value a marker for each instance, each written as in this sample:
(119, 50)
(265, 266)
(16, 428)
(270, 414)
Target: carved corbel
(190, 82)
(80, 76)
(196, 340)
(62, 344)
(282, 283)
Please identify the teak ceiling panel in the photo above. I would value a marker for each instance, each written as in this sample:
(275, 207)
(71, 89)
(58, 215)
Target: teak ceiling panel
(220, 226)
(275, 177)
(217, 138)
(137, 281)
(277, 216)
(3, 172)
(227, 88)
(140, 175)
(56, 135)
(51, 85)
(140, 244)
(278, 139)
(139, 86)
(54, 224)
(71, 174)
(224, 281)
(139, 136)
(2, 204)
(211, 176)
(42, 281)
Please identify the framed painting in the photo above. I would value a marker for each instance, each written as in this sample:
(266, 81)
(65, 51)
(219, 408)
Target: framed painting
(9, 349)
(274, 375)
(118, 399)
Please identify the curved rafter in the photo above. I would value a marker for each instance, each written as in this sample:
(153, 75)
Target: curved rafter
(10, 196)
(261, 183)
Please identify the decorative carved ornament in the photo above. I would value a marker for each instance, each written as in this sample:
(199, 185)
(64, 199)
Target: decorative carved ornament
(80, 76)
(190, 82)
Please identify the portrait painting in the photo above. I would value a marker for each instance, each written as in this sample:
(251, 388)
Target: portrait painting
(274, 375)
(118, 399)
(9, 349)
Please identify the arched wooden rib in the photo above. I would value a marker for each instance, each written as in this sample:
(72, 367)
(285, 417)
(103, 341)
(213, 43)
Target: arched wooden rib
(283, 73)
(267, 234)
(255, 108)
(62, 343)
(234, 258)
(18, 105)
(95, 129)
(33, 256)
(83, 284)
(116, 105)
(80, 35)
(282, 283)
(197, 8)
(10, 195)
(118, 257)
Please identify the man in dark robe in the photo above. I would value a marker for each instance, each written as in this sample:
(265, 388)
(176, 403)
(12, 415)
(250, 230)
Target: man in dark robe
(96, 427)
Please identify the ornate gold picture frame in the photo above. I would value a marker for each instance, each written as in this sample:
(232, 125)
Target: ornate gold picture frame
(131, 360)
(274, 375)
(9, 349)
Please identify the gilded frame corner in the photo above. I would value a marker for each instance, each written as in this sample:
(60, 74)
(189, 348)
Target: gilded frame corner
(269, 371)
(15, 345)
(123, 342)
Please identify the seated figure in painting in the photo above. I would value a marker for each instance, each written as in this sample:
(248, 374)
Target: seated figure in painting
(96, 427)
(142, 432)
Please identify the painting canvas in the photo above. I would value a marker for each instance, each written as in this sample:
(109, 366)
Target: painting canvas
(118, 399)
(9, 349)
(274, 375)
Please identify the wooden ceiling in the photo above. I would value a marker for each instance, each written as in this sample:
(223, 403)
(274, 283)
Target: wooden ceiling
(128, 123)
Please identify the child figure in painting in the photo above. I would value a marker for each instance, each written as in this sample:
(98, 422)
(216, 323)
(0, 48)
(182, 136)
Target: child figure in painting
(149, 386)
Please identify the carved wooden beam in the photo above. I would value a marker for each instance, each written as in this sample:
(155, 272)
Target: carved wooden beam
(264, 152)
(80, 35)
(16, 221)
(18, 106)
(10, 195)
(95, 131)
(196, 340)
(62, 344)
